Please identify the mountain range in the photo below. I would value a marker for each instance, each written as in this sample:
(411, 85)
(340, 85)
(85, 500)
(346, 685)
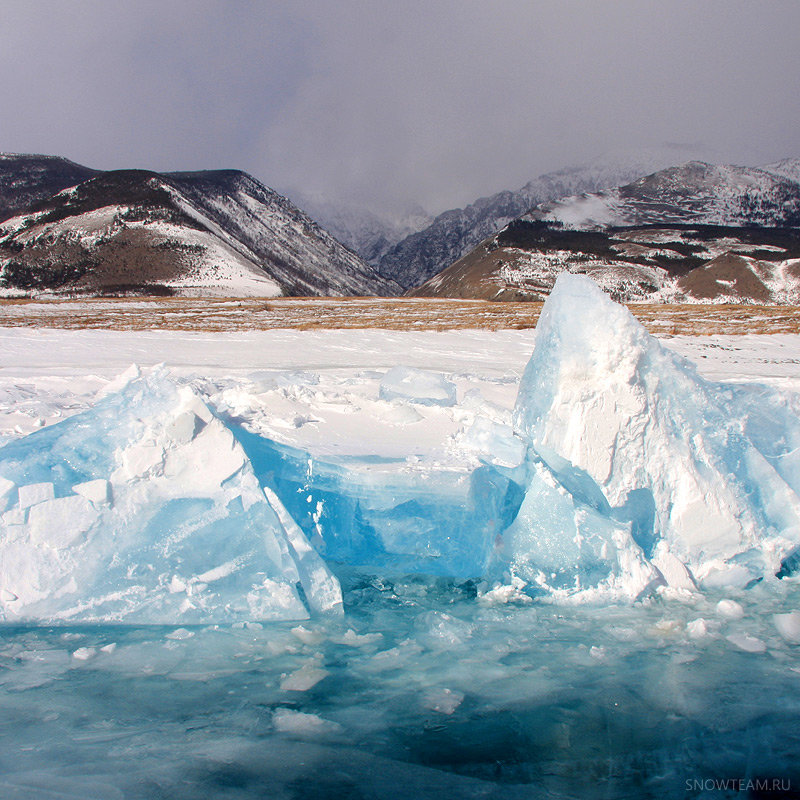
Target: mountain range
(454, 233)
(694, 232)
(217, 232)
(687, 233)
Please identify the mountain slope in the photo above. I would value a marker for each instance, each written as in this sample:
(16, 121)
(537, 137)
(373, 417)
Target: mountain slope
(454, 233)
(695, 193)
(28, 179)
(216, 232)
(691, 233)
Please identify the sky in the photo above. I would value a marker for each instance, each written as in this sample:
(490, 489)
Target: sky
(387, 104)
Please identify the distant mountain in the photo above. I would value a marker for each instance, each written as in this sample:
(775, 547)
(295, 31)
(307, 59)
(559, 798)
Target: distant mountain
(695, 193)
(364, 231)
(219, 232)
(27, 179)
(692, 233)
(454, 233)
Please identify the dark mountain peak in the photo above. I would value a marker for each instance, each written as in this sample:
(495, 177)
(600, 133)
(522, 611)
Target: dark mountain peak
(26, 179)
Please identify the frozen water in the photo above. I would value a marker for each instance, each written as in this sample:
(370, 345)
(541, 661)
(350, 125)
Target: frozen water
(453, 698)
(626, 474)
(637, 422)
(462, 665)
(152, 515)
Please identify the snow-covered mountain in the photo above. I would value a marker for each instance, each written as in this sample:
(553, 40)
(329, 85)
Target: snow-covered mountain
(366, 232)
(695, 194)
(452, 234)
(28, 179)
(692, 233)
(219, 232)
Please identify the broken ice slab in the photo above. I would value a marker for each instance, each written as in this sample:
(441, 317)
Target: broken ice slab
(150, 513)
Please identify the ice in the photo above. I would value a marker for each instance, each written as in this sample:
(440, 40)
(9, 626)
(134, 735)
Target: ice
(417, 386)
(379, 516)
(688, 462)
(494, 443)
(190, 535)
(730, 609)
(788, 626)
(305, 678)
(98, 491)
(31, 494)
(6, 489)
(301, 725)
(750, 644)
(463, 664)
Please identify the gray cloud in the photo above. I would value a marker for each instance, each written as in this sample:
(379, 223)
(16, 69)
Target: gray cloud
(389, 102)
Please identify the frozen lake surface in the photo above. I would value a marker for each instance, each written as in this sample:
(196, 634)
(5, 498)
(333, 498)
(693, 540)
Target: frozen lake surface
(427, 685)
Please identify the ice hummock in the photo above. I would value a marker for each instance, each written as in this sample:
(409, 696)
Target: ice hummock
(689, 463)
(145, 509)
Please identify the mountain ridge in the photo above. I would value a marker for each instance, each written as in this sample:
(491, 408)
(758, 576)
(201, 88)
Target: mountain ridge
(696, 232)
(215, 231)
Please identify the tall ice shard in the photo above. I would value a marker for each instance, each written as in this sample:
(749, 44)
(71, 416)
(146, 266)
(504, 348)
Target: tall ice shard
(689, 463)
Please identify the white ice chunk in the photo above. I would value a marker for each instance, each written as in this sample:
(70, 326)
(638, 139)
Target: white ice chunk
(417, 386)
(494, 443)
(15, 516)
(184, 427)
(730, 609)
(303, 726)
(697, 628)
(674, 570)
(121, 381)
(788, 626)
(35, 493)
(97, 491)
(6, 488)
(322, 589)
(305, 678)
(444, 701)
(61, 522)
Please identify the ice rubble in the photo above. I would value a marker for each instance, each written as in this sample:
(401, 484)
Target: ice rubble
(625, 473)
(145, 509)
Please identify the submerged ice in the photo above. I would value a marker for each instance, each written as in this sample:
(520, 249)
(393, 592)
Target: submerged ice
(625, 474)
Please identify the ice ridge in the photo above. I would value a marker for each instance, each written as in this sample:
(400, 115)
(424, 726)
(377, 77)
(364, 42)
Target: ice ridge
(145, 509)
(625, 474)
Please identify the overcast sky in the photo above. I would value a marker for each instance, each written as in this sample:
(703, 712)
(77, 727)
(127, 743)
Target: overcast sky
(391, 102)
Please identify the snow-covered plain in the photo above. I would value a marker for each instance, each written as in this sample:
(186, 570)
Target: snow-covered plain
(445, 673)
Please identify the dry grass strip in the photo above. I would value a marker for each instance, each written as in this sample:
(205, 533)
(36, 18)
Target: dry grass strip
(243, 314)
